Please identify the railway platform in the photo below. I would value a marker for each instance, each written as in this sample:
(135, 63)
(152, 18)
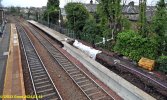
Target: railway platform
(122, 87)
(4, 45)
(14, 83)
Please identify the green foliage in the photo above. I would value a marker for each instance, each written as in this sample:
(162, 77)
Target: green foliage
(143, 19)
(110, 14)
(125, 23)
(29, 13)
(159, 26)
(159, 21)
(91, 29)
(52, 11)
(135, 46)
(162, 63)
(53, 4)
(76, 16)
(15, 10)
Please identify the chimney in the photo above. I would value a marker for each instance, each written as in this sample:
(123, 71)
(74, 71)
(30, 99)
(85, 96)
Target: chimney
(91, 2)
(132, 3)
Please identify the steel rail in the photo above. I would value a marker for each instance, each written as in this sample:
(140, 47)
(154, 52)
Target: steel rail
(65, 63)
(46, 87)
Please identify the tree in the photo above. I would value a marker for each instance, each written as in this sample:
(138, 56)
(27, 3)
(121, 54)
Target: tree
(52, 11)
(159, 26)
(37, 15)
(142, 18)
(52, 4)
(162, 62)
(111, 10)
(18, 9)
(91, 29)
(13, 9)
(29, 13)
(76, 16)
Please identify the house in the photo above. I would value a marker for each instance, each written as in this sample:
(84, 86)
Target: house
(130, 11)
(91, 7)
(24, 10)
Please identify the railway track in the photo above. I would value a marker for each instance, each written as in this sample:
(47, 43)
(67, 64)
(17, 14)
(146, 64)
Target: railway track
(149, 82)
(89, 87)
(41, 80)
(121, 64)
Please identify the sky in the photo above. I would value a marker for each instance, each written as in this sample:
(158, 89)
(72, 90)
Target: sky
(40, 3)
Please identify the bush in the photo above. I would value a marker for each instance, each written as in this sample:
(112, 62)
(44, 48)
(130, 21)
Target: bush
(162, 63)
(135, 46)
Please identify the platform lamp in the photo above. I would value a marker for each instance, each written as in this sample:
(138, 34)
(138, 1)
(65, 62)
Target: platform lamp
(48, 19)
(59, 17)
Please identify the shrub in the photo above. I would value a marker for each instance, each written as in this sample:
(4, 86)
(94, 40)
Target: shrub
(135, 46)
(162, 63)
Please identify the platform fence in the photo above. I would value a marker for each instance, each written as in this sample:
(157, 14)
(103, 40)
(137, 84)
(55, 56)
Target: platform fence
(94, 40)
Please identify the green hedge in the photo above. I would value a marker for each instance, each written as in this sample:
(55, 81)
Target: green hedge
(162, 63)
(134, 46)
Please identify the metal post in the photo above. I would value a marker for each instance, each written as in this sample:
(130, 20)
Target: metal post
(48, 19)
(59, 22)
(59, 19)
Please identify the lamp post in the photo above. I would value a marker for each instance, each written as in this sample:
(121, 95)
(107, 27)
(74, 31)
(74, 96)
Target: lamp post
(74, 32)
(59, 18)
(48, 19)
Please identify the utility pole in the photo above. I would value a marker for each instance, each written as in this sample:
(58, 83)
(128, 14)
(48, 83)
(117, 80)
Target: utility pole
(48, 19)
(74, 32)
(74, 18)
(59, 18)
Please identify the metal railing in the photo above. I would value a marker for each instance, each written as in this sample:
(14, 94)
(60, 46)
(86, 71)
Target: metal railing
(90, 38)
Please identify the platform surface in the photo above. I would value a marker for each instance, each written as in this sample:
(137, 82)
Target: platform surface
(4, 45)
(51, 32)
(14, 83)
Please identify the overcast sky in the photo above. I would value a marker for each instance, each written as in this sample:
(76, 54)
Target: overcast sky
(40, 3)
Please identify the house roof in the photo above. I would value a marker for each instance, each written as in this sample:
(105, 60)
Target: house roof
(91, 7)
(131, 10)
(127, 9)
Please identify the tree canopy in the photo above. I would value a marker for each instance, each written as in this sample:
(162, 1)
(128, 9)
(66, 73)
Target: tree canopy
(110, 11)
(159, 26)
(76, 16)
(142, 18)
(52, 11)
(53, 4)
